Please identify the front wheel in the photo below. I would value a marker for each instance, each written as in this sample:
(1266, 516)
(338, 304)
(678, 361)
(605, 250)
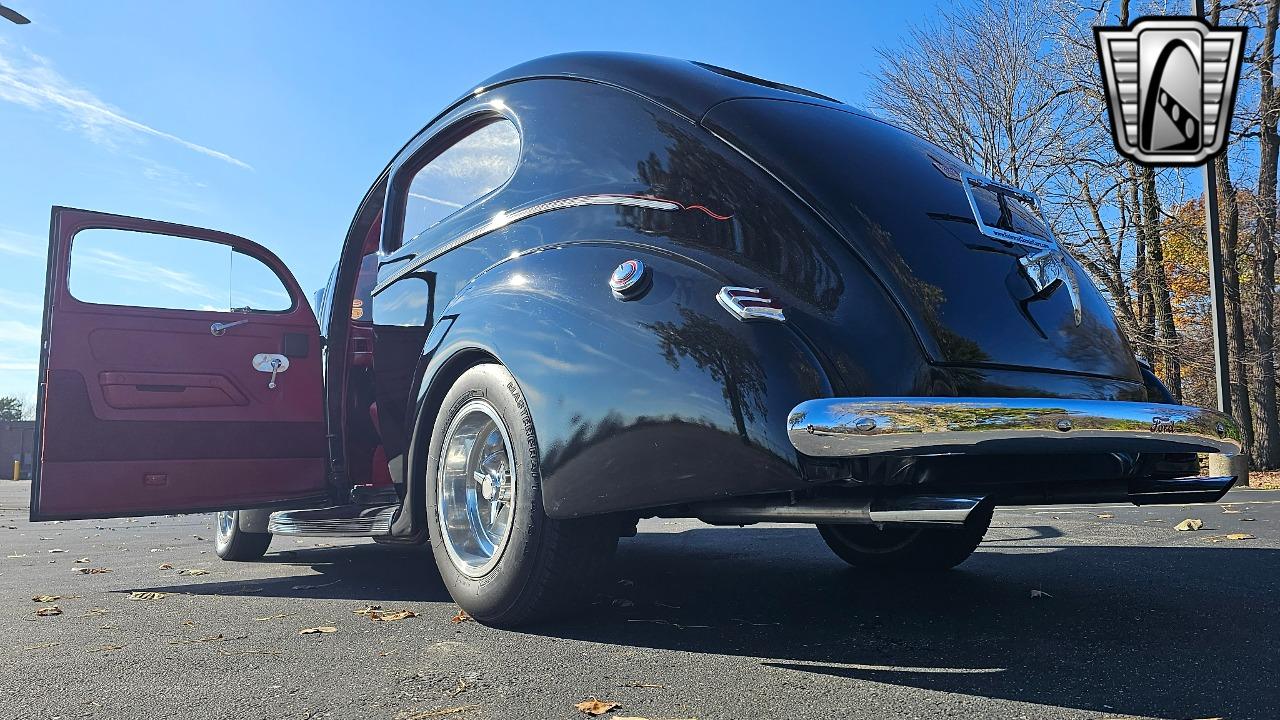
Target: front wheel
(904, 548)
(232, 543)
(502, 559)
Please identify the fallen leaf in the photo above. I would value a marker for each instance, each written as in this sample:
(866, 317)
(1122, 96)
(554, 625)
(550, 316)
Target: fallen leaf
(41, 646)
(278, 616)
(1189, 524)
(46, 598)
(1105, 516)
(321, 629)
(49, 611)
(193, 571)
(1232, 536)
(597, 707)
(166, 566)
(81, 561)
(95, 611)
(1040, 594)
(92, 571)
(392, 616)
(108, 648)
(437, 713)
(368, 610)
(137, 595)
(461, 617)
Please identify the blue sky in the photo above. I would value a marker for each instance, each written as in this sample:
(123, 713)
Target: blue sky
(270, 120)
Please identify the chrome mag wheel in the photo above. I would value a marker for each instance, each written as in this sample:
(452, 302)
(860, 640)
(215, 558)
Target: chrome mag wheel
(476, 488)
(226, 525)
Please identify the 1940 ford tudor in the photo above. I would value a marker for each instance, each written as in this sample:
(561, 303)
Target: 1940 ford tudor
(603, 287)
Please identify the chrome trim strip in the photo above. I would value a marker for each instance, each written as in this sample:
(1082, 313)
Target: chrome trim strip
(502, 219)
(297, 522)
(905, 426)
(897, 510)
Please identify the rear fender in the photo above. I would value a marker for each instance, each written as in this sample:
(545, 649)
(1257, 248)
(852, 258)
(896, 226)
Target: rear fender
(656, 400)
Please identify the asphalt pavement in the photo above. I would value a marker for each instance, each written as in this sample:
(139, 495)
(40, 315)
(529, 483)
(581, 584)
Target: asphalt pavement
(1065, 612)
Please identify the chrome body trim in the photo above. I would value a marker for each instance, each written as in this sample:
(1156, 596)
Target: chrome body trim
(907, 426)
(894, 510)
(749, 304)
(343, 521)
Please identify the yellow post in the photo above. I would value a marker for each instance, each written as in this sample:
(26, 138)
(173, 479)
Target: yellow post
(17, 468)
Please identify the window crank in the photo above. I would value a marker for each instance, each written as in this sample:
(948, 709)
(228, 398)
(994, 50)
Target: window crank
(219, 329)
(270, 363)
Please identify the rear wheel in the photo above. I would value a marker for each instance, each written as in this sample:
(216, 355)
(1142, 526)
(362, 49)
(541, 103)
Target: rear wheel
(502, 559)
(232, 543)
(904, 548)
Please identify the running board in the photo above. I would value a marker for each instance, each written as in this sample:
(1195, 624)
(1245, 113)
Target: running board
(340, 521)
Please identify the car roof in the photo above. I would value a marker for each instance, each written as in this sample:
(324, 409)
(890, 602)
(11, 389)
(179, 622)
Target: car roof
(686, 87)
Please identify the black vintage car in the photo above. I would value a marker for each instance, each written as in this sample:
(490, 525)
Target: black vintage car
(602, 287)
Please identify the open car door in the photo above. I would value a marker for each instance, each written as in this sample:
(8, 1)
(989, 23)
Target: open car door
(180, 371)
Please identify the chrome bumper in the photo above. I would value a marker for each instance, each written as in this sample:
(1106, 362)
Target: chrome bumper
(861, 427)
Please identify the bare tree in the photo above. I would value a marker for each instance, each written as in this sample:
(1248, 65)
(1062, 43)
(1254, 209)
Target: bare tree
(976, 80)
(1266, 436)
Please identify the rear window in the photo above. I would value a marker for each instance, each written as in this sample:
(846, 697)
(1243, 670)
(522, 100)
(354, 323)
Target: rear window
(466, 171)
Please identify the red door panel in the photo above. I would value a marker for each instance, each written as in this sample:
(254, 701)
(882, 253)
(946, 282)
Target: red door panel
(148, 411)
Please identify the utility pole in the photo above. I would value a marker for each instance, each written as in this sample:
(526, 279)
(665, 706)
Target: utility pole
(1217, 294)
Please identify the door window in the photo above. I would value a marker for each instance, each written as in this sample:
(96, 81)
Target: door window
(465, 172)
(125, 267)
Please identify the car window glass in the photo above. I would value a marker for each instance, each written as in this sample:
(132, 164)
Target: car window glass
(125, 267)
(465, 172)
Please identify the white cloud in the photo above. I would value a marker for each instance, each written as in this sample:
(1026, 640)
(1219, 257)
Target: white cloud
(32, 82)
(15, 333)
(135, 270)
(14, 365)
(26, 304)
(21, 244)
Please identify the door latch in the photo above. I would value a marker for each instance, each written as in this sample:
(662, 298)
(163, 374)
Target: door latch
(219, 329)
(270, 363)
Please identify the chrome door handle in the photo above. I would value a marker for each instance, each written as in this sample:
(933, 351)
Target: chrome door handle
(219, 329)
(272, 363)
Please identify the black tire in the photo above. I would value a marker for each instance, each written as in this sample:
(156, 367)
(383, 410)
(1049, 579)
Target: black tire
(906, 549)
(545, 566)
(232, 543)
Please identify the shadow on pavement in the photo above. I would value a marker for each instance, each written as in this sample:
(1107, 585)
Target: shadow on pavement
(1174, 632)
(1170, 632)
(347, 572)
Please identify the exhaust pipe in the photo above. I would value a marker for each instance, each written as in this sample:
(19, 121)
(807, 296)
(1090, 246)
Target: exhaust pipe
(894, 510)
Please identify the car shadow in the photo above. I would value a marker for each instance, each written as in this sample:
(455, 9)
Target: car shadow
(1173, 632)
(346, 572)
(1122, 630)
